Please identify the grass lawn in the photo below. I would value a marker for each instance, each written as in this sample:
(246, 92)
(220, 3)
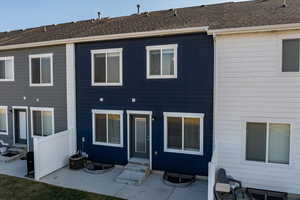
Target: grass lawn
(12, 188)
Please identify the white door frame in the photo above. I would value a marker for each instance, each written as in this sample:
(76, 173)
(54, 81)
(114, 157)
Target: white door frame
(139, 112)
(13, 119)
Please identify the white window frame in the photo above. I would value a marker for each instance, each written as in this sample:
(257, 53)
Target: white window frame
(106, 51)
(107, 112)
(268, 122)
(41, 109)
(199, 116)
(48, 55)
(161, 48)
(13, 68)
(6, 110)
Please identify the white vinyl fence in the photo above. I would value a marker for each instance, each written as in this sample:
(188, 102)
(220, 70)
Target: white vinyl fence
(51, 153)
(212, 168)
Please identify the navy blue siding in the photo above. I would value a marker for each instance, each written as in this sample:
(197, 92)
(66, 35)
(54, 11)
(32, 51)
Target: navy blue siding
(191, 92)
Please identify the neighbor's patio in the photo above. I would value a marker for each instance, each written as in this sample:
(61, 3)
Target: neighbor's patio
(152, 188)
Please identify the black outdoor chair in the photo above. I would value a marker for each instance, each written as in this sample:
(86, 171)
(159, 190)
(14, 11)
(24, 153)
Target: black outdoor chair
(228, 188)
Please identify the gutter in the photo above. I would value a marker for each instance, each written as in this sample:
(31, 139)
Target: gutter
(254, 29)
(108, 37)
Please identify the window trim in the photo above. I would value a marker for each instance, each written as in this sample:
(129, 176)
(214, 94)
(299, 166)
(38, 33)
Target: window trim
(47, 55)
(6, 110)
(281, 55)
(162, 47)
(107, 112)
(106, 51)
(271, 121)
(199, 116)
(47, 109)
(13, 68)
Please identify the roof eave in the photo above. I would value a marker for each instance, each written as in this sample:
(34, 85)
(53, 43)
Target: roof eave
(108, 37)
(254, 29)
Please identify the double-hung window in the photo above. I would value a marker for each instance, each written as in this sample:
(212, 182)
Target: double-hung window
(3, 120)
(41, 70)
(162, 61)
(183, 133)
(290, 55)
(42, 121)
(107, 67)
(108, 127)
(6, 68)
(268, 142)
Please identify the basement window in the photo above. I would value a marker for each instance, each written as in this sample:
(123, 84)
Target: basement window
(41, 70)
(183, 133)
(162, 61)
(290, 55)
(6, 68)
(42, 120)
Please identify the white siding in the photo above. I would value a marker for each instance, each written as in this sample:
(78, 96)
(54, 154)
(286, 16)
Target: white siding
(251, 86)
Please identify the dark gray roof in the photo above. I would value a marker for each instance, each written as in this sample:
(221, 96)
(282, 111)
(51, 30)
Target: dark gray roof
(216, 16)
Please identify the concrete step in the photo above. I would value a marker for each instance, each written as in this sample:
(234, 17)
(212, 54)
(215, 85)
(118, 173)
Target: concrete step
(137, 168)
(134, 174)
(139, 161)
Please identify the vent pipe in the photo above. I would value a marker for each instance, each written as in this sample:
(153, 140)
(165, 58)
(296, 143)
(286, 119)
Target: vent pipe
(99, 15)
(284, 3)
(138, 8)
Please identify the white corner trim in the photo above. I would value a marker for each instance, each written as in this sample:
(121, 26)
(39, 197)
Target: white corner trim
(6, 115)
(106, 51)
(109, 37)
(47, 55)
(71, 96)
(199, 116)
(107, 112)
(13, 68)
(252, 29)
(174, 47)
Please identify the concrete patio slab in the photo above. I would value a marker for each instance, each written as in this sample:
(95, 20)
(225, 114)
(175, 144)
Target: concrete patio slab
(16, 168)
(152, 189)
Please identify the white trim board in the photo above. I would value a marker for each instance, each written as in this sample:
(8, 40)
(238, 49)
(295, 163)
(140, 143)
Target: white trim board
(139, 112)
(13, 120)
(109, 37)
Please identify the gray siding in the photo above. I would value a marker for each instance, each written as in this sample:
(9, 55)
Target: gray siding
(13, 93)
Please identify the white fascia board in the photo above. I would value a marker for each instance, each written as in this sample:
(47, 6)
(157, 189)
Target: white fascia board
(109, 37)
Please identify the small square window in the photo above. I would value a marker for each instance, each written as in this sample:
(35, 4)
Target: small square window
(162, 62)
(290, 55)
(41, 67)
(107, 128)
(6, 68)
(107, 67)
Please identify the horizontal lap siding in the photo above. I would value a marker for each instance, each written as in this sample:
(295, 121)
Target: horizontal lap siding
(13, 93)
(192, 92)
(250, 85)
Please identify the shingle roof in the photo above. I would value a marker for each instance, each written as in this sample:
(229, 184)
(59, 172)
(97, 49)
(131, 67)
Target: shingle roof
(216, 16)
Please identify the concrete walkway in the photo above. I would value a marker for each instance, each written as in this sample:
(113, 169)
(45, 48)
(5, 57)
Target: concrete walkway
(152, 189)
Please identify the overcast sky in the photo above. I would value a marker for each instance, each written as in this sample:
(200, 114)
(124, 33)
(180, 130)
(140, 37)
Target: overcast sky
(20, 14)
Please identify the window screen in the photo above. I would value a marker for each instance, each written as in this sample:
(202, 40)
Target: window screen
(290, 56)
